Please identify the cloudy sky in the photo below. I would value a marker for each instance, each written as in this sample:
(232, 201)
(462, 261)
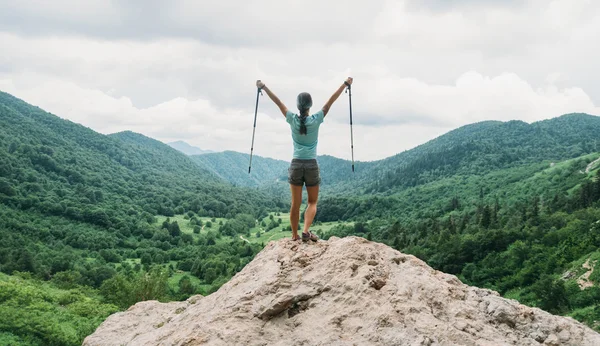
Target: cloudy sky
(185, 70)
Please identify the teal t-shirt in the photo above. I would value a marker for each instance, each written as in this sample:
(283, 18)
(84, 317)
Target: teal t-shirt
(305, 146)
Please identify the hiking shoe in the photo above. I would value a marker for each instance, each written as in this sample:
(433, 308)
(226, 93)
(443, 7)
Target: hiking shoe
(309, 236)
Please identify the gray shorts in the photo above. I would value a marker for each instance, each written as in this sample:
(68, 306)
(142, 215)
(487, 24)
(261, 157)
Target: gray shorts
(304, 172)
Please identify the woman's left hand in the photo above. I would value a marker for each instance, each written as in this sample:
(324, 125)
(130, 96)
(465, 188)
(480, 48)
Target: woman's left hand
(260, 84)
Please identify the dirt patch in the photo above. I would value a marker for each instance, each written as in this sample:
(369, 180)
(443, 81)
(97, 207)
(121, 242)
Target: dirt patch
(584, 280)
(591, 165)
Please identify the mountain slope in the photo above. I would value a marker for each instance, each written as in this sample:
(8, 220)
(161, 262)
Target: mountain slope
(233, 167)
(475, 149)
(270, 173)
(43, 153)
(483, 147)
(341, 292)
(80, 209)
(164, 157)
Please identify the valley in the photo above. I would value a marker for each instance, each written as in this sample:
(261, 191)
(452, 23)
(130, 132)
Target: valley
(91, 224)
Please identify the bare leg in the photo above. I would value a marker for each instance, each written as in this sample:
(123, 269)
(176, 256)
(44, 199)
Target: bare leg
(295, 209)
(311, 210)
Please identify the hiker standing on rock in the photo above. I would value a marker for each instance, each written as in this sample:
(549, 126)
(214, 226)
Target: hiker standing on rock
(304, 169)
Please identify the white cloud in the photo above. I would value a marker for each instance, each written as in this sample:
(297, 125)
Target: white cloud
(186, 70)
(402, 114)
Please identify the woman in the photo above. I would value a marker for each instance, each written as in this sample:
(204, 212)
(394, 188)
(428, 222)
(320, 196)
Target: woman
(304, 169)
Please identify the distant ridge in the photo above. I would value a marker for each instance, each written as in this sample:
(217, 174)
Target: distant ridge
(187, 148)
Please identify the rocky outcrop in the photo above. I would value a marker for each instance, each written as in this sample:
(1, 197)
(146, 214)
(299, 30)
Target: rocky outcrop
(340, 292)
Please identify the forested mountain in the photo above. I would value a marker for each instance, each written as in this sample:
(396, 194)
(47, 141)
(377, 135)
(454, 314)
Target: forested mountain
(475, 149)
(58, 167)
(187, 149)
(529, 232)
(80, 208)
(487, 146)
(162, 156)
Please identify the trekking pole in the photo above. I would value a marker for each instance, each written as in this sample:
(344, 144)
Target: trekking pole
(349, 92)
(258, 93)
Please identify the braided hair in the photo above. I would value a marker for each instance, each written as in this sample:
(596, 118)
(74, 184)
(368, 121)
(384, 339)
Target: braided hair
(304, 102)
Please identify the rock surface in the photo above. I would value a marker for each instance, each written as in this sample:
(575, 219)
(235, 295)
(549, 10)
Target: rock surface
(340, 292)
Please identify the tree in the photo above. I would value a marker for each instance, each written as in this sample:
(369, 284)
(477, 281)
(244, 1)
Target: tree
(196, 269)
(174, 229)
(13, 147)
(26, 262)
(597, 186)
(6, 188)
(359, 227)
(552, 294)
(67, 280)
(146, 258)
(535, 209)
(186, 288)
(187, 238)
(210, 275)
(159, 258)
(486, 217)
(397, 245)
(118, 290)
(152, 285)
(454, 203)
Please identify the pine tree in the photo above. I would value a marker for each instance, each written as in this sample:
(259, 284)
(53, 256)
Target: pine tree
(486, 217)
(452, 225)
(26, 261)
(397, 243)
(535, 209)
(597, 186)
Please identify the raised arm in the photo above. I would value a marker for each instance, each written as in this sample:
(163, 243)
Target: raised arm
(272, 96)
(335, 95)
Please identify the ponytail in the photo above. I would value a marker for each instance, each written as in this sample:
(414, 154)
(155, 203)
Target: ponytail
(303, 115)
(304, 102)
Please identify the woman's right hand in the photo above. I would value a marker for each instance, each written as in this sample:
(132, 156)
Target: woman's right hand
(260, 84)
(349, 80)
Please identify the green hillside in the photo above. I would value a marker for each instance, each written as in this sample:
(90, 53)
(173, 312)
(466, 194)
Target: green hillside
(483, 147)
(515, 230)
(54, 315)
(233, 167)
(475, 149)
(80, 209)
